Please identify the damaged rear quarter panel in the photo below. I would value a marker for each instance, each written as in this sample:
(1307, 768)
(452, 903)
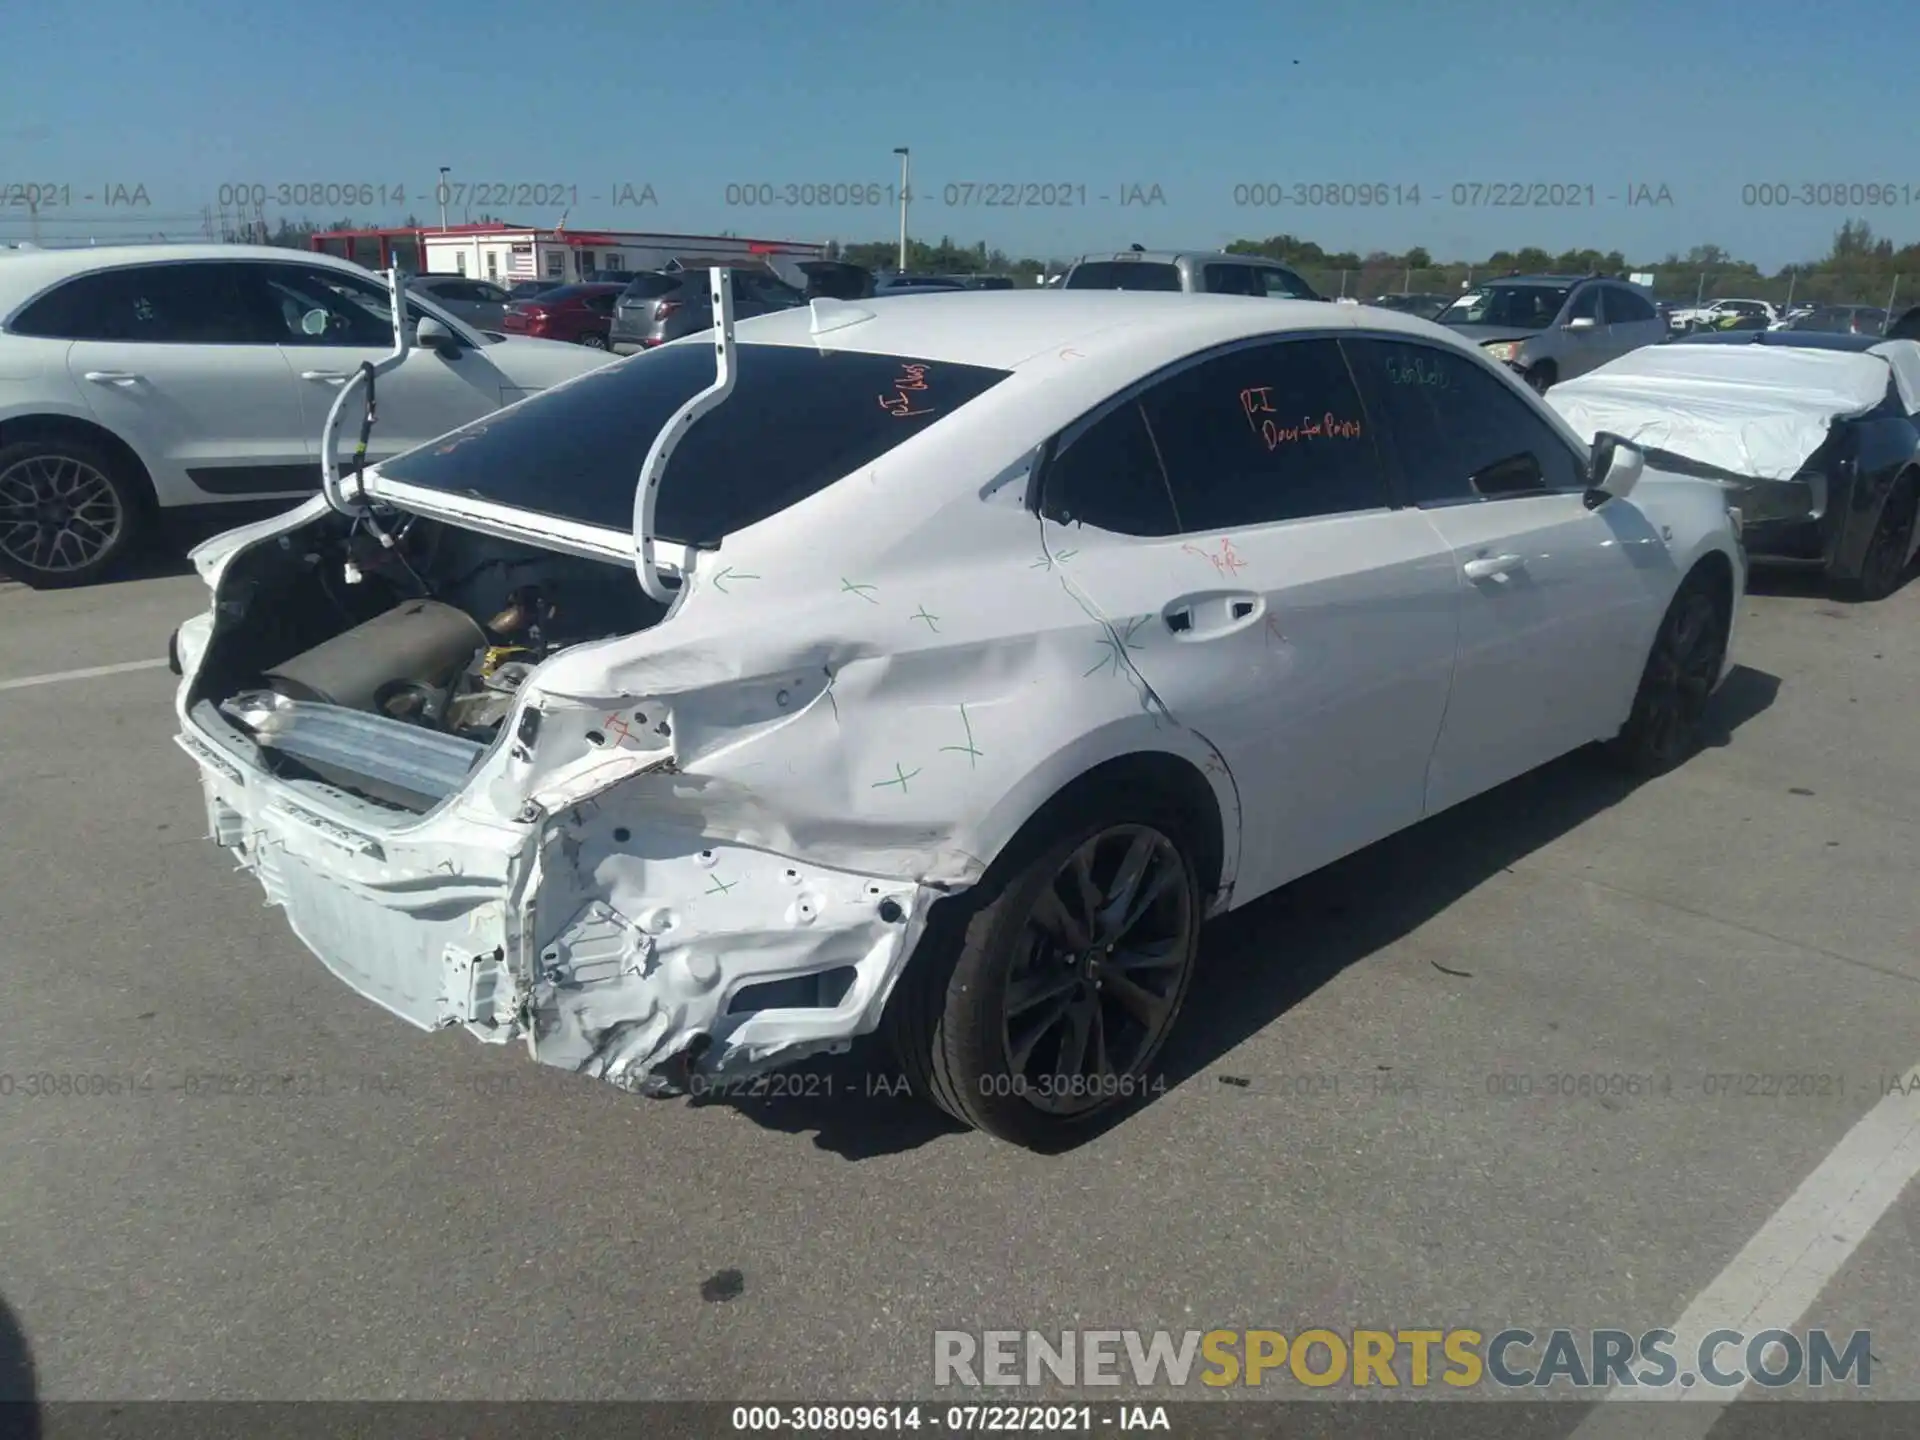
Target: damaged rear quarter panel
(784, 775)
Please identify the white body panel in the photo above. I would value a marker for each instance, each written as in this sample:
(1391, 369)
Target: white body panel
(1555, 620)
(194, 409)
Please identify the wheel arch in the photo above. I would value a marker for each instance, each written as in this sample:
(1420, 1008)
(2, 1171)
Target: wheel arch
(1878, 475)
(1213, 827)
(52, 424)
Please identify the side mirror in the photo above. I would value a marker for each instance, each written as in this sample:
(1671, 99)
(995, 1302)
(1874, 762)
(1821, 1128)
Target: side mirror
(1582, 322)
(1614, 468)
(430, 334)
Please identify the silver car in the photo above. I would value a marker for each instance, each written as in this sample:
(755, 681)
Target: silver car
(1210, 272)
(480, 303)
(1553, 327)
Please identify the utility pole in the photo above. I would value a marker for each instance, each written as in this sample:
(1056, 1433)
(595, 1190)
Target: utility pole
(445, 170)
(901, 151)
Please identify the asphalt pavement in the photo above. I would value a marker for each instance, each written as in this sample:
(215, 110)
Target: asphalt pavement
(1363, 1124)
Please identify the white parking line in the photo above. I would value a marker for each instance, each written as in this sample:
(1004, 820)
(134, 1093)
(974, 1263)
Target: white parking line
(27, 681)
(1773, 1281)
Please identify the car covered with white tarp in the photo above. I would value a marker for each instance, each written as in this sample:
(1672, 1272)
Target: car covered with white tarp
(1814, 434)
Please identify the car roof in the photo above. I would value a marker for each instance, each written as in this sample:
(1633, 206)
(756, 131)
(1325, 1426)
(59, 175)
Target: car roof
(1004, 329)
(28, 272)
(1172, 257)
(1793, 339)
(1545, 279)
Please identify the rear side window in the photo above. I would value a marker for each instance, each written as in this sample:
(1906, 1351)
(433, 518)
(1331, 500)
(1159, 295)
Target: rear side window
(1627, 307)
(1232, 280)
(1123, 275)
(1265, 433)
(193, 303)
(650, 287)
(798, 420)
(1461, 435)
(1278, 284)
(1109, 476)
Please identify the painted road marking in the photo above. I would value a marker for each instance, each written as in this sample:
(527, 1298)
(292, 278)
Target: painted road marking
(1776, 1278)
(28, 681)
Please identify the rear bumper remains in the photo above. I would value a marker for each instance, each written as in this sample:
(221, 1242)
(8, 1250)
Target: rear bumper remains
(644, 955)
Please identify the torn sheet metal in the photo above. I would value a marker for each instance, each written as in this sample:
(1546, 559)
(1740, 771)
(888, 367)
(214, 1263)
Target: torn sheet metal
(1759, 411)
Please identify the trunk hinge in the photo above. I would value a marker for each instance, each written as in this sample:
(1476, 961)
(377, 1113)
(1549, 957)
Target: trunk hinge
(330, 485)
(651, 580)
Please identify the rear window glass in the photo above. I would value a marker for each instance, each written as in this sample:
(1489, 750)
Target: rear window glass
(1123, 275)
(570, 292)
(798, 420)
(650, 287)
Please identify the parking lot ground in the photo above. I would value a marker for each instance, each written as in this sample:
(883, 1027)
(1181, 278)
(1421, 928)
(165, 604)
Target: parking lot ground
(1374, 1117)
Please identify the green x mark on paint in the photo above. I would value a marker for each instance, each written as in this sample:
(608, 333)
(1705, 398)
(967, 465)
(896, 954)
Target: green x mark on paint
(1114, 647)
(900, 778)
(933, 621)
(848, 587)
(973, 755)
(729, 573)
(720, 887)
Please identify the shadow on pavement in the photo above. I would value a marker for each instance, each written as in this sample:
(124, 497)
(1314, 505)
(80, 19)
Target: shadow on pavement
(19, 1390)
(1257, 963)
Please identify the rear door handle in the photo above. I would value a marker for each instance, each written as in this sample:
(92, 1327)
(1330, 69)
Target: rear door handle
(330, 377)
(121, 378)
(1493, 567)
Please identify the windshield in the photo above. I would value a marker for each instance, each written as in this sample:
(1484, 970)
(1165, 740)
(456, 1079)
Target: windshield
(1524, 307)
(798, 420)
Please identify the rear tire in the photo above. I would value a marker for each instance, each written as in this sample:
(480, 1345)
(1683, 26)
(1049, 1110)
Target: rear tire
(70, 511)
(594, 342)
(1682, 669)
(1885, 563)
(1009, 1021)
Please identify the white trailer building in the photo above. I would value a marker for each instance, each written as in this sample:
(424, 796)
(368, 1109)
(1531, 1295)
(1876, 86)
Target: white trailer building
(505, 253)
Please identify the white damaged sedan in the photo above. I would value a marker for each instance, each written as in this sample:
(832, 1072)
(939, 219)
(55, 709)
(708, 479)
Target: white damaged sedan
(940, 663)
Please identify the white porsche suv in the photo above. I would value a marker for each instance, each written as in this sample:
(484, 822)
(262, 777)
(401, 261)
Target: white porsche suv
(140, 378)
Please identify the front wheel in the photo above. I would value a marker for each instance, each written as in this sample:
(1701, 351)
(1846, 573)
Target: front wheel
(1885, 563)
(1670, 706)
(1066, 982)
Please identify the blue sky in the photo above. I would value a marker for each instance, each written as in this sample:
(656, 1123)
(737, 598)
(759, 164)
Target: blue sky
(1195, 98)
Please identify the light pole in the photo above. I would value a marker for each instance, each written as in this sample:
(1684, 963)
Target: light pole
(901, 151)
(445, 170)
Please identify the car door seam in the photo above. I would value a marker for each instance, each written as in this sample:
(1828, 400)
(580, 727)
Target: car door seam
(1453, 669)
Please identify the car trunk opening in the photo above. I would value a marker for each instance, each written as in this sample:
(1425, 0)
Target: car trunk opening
(390, 673)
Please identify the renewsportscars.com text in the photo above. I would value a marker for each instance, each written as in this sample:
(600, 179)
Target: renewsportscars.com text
(1512, 1358)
